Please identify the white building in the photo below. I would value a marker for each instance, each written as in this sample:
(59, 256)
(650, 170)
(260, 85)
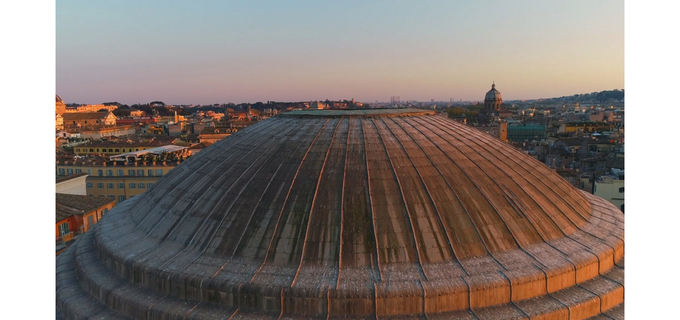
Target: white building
(611, 188)
(73, 184)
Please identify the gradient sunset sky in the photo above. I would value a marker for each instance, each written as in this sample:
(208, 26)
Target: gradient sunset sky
(204, 52)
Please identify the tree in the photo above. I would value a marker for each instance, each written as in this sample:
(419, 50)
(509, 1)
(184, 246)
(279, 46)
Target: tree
(461, 112)
(121, 112)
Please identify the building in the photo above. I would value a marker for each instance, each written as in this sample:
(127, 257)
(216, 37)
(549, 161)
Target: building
(73, 184)
(585, 127)
(526, 132)
(137, 113)
(59, 122)
(493, 102)
(611, 187)
(214, 134)
(354, 214)
(110, 148)
(76, 214)
(116, 180)
(317, 105)
(99, 132)
(494, 128)
(493, 107)
(89, 119)
(60, 106)
(91, 108)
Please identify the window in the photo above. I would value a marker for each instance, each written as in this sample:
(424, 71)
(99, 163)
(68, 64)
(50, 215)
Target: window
(100, 185)
(141, 185)
(89, 172)
(112, 197)
(110, 150)
(149, 172)
(109, 185)
(121, 172)
(89, 185)
(121, 185)
(131, 173)
(121, 198)
(90, 221)
(621, 190)
(133, 185)
(140, 172)
(63, 229)
(105, 211)
(69, 171)
(100, 172)
(109, 173)
(62, 171)
(148, 185)
(91, 150)
(159, 172)
(79, 171)
(117, 150)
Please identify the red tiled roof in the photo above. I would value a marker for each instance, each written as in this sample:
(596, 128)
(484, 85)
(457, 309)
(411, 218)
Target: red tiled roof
(84, 116)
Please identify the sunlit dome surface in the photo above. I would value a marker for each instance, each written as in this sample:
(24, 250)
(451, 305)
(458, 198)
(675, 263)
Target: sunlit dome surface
(493, 94)
(351, 214)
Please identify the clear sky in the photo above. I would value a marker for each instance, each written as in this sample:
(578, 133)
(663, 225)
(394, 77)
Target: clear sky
(201, 52)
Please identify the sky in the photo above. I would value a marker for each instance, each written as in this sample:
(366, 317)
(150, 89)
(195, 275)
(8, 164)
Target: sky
(205, 52)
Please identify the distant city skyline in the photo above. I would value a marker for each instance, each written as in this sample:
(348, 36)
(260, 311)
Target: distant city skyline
(214, 52)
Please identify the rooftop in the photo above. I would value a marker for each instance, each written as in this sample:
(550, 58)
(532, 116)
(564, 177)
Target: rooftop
(71, 204)
(156, 151)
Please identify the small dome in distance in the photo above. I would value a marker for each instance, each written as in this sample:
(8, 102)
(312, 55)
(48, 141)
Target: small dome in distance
(493, 94)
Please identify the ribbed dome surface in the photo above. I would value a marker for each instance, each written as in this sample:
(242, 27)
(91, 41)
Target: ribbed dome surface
(493, 94)
(349, 214)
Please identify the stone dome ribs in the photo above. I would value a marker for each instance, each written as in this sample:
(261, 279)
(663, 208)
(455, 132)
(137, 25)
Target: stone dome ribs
(356, 214)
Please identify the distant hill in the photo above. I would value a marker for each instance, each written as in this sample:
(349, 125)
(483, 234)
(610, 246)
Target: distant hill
(602, 96)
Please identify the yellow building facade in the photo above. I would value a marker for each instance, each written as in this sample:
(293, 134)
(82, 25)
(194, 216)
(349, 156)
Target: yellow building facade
(118, 182)
(585, 127)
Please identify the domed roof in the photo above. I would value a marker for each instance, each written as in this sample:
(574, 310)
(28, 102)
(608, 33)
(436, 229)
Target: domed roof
(493, 94)
(59, 99)
(359, 214)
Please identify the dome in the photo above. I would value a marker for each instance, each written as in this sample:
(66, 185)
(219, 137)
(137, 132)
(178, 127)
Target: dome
(351, 214)
(59, 99)
(493, 94)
